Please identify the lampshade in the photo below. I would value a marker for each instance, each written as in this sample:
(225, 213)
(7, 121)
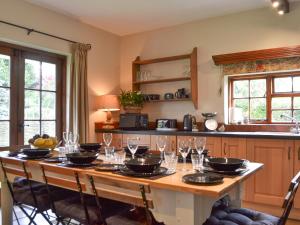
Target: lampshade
(108, 103)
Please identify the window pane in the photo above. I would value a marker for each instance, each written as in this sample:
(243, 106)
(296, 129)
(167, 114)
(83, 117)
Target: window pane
(241, 89)
(48, 127)
(296, 84)
(258, 109)
(48, 105)
(258, 88)
(48, 76)
(4, 70)
(4, 103)
(282, 103)
(243, 104)
(4, 133)
(276, 115)
(32, 74)
(32, 105)
(296, 102)
(31, 128)
(296, 115)
(283, 84)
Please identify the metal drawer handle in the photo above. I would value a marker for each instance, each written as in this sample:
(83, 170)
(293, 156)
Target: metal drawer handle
(299, 153)
(224, 149)
(289, 153)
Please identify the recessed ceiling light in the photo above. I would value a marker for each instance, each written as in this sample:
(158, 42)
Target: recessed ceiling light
(275, 3)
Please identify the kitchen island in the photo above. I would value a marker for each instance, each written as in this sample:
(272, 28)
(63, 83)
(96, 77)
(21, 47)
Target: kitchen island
(175, 202)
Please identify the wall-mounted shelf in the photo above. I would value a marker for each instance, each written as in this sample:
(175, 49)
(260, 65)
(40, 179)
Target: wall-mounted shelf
(170, 100)
(136, 66)
(162, 80)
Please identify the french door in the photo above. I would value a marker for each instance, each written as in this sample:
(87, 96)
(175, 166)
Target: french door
(31, 95)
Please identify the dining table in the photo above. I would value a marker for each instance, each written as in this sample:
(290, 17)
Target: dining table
(175, 202)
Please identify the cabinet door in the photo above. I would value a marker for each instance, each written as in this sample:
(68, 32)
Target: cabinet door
(214, 146)
(171, 143)
(234, 147)
(144, 139)
(270, 185)
(296, 170)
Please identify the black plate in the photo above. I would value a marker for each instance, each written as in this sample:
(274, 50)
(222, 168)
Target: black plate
(157, 172)
(70, 164)
(202, 178)
(23, 156)
(55, 159)
(108, 167)
(225, 164)
(41, 152)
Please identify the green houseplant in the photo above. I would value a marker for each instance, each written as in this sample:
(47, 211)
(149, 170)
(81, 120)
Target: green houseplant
(132, 101)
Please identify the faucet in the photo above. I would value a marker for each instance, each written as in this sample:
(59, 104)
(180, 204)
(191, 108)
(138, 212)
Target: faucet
(296, 129)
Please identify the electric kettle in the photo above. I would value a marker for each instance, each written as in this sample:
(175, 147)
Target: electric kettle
(187, 122)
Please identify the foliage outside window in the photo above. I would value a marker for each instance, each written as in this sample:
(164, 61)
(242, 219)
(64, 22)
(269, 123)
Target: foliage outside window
(264, 98)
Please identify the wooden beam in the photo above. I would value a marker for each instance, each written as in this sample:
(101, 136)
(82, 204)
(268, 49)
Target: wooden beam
(264, 54)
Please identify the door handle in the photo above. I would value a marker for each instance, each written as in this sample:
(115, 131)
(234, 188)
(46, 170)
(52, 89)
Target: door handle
(299, 153)
(289, 153)
(224, 149)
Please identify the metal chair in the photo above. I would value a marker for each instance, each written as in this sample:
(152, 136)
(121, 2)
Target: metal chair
(126, 191)
(78, 207)
(222, 213)
(24, 191)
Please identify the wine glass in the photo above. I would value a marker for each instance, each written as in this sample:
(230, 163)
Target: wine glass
(199, 144)
(161, 142)
(66, 137)
(107, 137)
(73, 140)
(184, 149)
(132, 144)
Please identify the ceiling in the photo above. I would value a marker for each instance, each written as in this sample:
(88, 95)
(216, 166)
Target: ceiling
(123, 17)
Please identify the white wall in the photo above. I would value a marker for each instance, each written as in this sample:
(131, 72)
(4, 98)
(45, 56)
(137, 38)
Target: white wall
(103, 59)
(258, 29)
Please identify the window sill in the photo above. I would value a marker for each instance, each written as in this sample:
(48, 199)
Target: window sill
(259, 127)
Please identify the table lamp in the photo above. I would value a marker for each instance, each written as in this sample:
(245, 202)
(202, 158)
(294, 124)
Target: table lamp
(108, 104)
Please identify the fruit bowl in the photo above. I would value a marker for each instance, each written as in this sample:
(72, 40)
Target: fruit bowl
(43, 142)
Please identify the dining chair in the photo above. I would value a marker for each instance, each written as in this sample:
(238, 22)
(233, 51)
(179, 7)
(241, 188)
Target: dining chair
(126, 191)
(24, 191)
(222, 213)
(78, 207)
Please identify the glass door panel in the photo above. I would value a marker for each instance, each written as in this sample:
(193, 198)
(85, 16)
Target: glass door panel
(5, 68)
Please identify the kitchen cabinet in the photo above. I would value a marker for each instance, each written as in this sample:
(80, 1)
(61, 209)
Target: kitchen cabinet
(144, 140)
(296, 170)
(171, 143)
(116, 140)
(269, 186)
(234, 147)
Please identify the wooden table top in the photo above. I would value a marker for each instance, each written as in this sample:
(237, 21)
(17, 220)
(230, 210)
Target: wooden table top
(172, 182)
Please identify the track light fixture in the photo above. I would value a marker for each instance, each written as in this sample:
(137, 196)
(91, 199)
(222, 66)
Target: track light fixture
(282, 6)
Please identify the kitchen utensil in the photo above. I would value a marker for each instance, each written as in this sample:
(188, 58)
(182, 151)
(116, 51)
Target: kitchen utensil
(143, 165)
(168, 96)
(225, 164)
(180, 93)
(202, 178)
(194, 124)
(187, 122)
(35, 152)
(212, 124)
(81, 157)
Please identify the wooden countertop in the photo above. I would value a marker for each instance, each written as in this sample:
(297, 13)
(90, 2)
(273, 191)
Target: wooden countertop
(174, 182)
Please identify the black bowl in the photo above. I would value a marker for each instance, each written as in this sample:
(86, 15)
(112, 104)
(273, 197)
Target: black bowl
(225, 164)
(143, 165)
(35, 152)
(90, 147)
(141, 150)
(81, 157)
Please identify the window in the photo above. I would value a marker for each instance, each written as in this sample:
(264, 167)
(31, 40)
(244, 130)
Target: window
(263, 99)
(31, 94)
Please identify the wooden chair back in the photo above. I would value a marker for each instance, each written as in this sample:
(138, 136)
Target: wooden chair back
(62, 177)
(15, 167)
(121, 189)
(289, 199)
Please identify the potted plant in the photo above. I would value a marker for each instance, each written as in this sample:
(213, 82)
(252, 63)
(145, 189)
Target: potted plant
(132, 101)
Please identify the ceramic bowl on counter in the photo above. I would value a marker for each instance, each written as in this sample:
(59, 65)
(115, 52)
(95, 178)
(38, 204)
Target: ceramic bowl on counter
(143, 165)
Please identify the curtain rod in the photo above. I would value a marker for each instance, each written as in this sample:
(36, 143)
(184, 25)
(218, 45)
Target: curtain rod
(30, 30)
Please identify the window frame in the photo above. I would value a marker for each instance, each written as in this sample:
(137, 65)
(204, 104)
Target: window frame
(270, 92)
(18, 55)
